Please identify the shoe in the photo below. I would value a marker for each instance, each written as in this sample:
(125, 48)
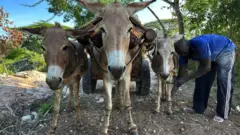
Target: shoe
(188, 110)
(218, 119)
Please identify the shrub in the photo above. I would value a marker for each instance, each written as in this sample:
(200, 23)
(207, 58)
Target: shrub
(45, 107)
(15, 55)
(32, 43)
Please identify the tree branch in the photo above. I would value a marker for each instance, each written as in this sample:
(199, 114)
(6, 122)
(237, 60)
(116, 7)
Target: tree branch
(33, 5)
(161, 24)
(169, 2)
(49, 19)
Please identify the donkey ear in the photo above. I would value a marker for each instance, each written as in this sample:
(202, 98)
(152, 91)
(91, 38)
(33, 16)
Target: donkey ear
(76, 33)
(38, 31)
(137, 6)
(177, 37)
(95, 7)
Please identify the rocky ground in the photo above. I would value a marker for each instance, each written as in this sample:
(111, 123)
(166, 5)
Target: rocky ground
(21, 96)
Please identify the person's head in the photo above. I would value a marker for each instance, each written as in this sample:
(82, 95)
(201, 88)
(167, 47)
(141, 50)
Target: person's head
(181, 45)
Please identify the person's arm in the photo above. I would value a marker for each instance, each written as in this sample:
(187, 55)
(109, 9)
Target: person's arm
(204, 67)
(203, 53)
(183, 64)
(182, 71)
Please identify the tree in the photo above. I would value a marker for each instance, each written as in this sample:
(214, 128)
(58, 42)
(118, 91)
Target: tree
(175, 4)
(72, 10)
(213, 16)
(12, 38)
(159, 21)
(33, 42)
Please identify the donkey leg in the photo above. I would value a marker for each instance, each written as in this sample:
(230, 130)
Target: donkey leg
(108, 102)
(69, 104)
(119, 97)
(159, 90)
(56, 108)
(164, 93)
(169, 97)
(125, 84)
(76, 99)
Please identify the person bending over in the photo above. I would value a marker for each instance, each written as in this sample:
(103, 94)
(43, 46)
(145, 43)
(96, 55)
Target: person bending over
(216, 56)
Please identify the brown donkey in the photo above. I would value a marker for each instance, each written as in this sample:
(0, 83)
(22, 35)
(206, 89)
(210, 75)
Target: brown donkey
(66, 62)
(115, 57)
(165, 65)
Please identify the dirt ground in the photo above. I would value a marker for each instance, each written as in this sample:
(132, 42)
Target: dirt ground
(179, 123)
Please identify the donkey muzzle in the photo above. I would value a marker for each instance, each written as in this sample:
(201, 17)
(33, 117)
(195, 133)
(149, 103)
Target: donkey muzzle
(54, 77)
(116, 65)
(116, 71)
(54, 83)
(164, 75)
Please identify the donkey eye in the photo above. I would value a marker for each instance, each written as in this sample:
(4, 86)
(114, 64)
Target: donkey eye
(43, 48)
(103, 30)
(129, 30)
(65, 48)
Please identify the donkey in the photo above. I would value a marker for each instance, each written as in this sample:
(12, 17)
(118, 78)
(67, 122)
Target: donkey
(115, 58)
(165, 65)
(66, 62)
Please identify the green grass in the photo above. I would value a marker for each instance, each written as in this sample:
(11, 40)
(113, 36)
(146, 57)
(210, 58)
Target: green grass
(19, 54)
(45, 107)
(42, 24)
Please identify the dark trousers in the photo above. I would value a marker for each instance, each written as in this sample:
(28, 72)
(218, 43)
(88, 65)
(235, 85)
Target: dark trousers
(223, 67)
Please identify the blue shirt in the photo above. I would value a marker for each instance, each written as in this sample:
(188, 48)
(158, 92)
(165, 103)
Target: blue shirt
(208, 46)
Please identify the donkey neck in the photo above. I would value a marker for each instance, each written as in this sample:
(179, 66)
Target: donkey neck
(73, 61)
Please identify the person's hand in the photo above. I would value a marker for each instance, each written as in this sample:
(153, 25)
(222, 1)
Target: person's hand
(174, 90)
(177, 84)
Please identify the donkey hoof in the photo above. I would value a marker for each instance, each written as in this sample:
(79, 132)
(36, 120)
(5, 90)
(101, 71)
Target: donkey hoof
(51, 132)
(163, 99)
(133, 133)
(156, 111)
(170, 112)
(69, 110)
(79, 123)
(104, 133)
(133, 130)
(120, 108)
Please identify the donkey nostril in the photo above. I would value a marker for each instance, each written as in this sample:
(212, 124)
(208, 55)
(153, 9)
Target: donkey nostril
(109, 68)
(124, 68)
(59, 80)
(158, 53)
(164, 76)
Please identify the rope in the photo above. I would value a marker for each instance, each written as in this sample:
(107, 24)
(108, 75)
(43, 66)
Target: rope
(92, 46)
(91, 51)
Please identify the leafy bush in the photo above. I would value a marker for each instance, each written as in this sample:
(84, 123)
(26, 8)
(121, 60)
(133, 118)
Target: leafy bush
(45, 107)
(42, 24)
(18, 54)
(32, 43)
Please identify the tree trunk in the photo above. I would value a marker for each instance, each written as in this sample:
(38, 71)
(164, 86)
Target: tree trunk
(175, 6)
(5, 68)
(159, 21)
(179, 18)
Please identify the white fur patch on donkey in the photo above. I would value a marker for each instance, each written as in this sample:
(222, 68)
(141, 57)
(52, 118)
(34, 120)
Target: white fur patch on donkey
(54, 71)
(116, 58)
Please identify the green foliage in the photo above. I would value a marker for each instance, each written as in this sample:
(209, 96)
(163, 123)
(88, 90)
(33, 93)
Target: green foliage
(18, 54)
(214, 16)
(72, 10)
(42, 24)
(32, 43)
(45, 107)
(169, 24)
